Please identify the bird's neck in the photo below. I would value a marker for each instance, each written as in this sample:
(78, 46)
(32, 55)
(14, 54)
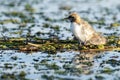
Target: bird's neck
(78, 20)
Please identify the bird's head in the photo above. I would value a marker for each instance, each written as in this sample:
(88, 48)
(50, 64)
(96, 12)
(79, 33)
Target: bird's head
(73, 17)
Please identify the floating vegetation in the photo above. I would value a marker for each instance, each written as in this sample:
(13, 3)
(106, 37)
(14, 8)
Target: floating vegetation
(24, 17)
(52, 66)
(8, 66)
(9, 21)
(13, 76)
(48, 77)
(116, 24)
(14, 57)
(53, 45)
(99, 77)
(15, 14)
(65, 7)
(107, 70)
(100, 22)
(29, 8)
(22, 74)
(113, 62)
(61, 72)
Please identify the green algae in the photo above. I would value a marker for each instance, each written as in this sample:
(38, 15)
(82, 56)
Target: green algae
(3, 46)
(113, 62)
(29, 8)
(11, 45)
(100, 22)
(8, 66)
(15, 14)
(14, 57)
(112, 40)
(53, 45)
(8, 76)
(52, 66)
(107, 70)
(48, 77)
(13, 76)
(22, 74)
(61, 72)
(65, 7)
(118, 42)
(46, 25)
(115, 24)
(24, 17)
(100, 46)
(9, 21)
(99, 77)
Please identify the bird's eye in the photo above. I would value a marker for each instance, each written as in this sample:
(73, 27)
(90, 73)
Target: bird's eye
(71, 17)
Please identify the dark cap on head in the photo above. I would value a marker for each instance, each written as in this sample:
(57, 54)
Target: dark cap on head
(73, 17)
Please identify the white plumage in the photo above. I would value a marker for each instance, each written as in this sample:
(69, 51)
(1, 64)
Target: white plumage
(77, 31)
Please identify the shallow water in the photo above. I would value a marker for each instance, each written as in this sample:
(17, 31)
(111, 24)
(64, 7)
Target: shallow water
(44, 19)
(31, 16)
(63, 65)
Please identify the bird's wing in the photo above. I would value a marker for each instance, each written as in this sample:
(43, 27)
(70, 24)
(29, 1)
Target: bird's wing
(91, 35)
(88, 30)
(97, 39)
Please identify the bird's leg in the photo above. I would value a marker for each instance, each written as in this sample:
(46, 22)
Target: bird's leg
(75, 38)
(86, 44)
(81, 44)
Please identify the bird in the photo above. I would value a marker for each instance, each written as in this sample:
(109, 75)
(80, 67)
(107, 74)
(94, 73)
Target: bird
(84, 32)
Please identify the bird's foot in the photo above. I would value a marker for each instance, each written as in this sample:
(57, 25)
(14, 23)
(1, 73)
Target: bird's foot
(86, 45)
(82, 46)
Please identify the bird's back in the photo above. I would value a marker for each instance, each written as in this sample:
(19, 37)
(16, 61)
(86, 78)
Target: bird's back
(91, 35)
(97, 39)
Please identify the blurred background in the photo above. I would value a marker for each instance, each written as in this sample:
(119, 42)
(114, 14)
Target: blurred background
(44, 19)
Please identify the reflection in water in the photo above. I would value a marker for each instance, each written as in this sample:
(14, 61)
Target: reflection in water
(70, 65)
(84, 61)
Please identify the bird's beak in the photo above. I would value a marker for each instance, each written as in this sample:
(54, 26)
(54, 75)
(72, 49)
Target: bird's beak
(66, 18)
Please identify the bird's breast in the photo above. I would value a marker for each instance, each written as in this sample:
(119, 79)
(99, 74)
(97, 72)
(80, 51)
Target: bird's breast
(78, 31)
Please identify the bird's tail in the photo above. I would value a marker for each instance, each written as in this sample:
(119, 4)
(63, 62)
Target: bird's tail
(97, 40)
